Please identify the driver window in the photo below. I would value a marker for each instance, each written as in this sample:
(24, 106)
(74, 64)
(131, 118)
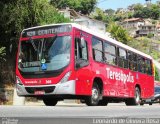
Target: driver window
(80, 51)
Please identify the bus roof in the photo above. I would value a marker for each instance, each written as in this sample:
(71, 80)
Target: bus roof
(97, 34)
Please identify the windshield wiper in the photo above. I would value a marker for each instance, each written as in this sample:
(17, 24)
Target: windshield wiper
(44, 46)
(34, 46)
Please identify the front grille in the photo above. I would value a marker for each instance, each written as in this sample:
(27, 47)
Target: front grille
(46, 89)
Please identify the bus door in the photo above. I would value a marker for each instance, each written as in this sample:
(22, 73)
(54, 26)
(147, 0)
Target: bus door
(82, 66)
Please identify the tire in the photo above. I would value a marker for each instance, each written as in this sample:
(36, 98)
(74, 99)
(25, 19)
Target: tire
(142, 103)
(50, 102)
(93, 100)
(136, 100)
(103, 102)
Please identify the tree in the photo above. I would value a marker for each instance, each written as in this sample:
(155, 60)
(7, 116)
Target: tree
(83, 6)
(137, 7)
(2, 54)
(16, 16)
(105, 16)
(152, 11)
(19, 14)
(119, 33)
(157, 77)
(155, 11)
(109, 11)
(99, 14)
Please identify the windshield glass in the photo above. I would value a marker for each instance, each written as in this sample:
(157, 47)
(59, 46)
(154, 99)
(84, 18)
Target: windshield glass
(45, 54)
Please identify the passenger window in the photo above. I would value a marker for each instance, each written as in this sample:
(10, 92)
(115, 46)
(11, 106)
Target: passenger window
(110, 54)
(141, 64)
(97, 50)
(148, 67)
(122, 59)
(110, 49)
(132, 60)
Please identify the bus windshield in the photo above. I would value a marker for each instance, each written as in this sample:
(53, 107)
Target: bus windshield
(44, 54)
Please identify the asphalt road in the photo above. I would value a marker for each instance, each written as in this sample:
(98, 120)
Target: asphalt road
(76, 113)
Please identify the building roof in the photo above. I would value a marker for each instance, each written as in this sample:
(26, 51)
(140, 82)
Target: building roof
(100, 35)
(158, 26)
(134, 20)
(149, 25)
(75, 15)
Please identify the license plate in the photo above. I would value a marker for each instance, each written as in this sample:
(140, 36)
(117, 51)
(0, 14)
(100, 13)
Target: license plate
(41, 92)
(148, 100)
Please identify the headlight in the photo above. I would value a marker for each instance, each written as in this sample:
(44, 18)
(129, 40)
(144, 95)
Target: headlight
(65, 78)
(18, 81)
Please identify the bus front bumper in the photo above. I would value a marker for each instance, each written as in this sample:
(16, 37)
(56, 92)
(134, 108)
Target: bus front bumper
(66, 88)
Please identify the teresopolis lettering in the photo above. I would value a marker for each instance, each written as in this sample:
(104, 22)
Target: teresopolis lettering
(119, 76)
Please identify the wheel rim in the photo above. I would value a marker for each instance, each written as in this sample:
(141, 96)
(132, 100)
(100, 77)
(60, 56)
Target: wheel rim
(95, 94)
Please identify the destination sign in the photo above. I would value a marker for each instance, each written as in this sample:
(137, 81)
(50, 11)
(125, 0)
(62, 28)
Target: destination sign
(46, 30)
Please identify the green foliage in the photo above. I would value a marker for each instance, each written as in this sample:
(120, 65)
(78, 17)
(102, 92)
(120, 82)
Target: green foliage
(150, 35)
(19, 14)
(27, 13)
(137, 7)
(99, 14)
(152, 12)
(83, 6)
(119, 33)
(2, 54)
(107, 16)
(140, 11)
(144, 44)
(157, 76)
(109, 11)
(15, 16)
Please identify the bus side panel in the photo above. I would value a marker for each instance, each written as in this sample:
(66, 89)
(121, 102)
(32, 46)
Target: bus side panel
(83, 82)
(147, 85)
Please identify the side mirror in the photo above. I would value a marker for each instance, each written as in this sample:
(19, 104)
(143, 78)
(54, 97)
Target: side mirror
(82, 42)
(78, 64)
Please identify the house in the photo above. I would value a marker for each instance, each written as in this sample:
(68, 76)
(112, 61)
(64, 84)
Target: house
(133, 23)
(148, 21)
(156, 46)
(84, 20)
(158, 29)
(144, 30)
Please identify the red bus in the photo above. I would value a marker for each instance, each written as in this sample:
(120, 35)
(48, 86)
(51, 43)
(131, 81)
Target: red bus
(69, 61)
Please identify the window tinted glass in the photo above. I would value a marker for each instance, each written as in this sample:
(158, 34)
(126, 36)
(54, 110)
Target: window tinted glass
(110, 48)
(97, 50)
(81, 52)
(97, 44)
(148, 67)
(110, 53)
(122, 53)
(122, 59)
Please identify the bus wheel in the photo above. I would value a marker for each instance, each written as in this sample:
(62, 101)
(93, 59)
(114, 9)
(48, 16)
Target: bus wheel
(50, 102)
(103, 102)
(93, 100)
(136, 100)
(141, 103)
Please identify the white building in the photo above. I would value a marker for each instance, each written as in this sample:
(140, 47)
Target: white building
(133, 23)
(84, 20)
